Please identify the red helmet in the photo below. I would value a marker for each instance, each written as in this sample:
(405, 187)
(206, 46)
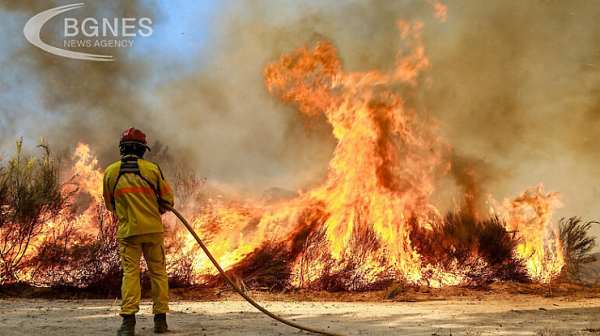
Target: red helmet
(133, 136)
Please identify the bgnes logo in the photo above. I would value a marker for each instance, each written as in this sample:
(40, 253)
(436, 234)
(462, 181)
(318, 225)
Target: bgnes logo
(89, 27)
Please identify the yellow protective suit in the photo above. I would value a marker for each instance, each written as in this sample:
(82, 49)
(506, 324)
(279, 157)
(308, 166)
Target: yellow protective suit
(134, 199)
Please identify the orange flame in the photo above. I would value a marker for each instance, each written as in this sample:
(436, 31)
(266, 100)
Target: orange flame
(85, 167)
(530, 216)
(385, 167)
(382, 174)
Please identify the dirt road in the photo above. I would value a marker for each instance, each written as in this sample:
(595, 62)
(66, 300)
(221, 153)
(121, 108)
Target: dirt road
(519, 315)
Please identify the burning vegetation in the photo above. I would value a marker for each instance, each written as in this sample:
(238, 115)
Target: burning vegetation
(371, 223)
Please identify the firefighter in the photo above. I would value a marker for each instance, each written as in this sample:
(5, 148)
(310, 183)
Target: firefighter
(134, 189)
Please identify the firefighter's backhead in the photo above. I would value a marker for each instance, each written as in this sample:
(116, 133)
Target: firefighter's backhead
(133, 141)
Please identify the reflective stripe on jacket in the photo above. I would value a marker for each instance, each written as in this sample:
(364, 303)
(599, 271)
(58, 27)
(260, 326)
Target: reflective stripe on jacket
(135, 202)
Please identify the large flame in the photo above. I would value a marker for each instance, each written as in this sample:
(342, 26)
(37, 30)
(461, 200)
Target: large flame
(387, 162)
(383, 172)
(83, 182)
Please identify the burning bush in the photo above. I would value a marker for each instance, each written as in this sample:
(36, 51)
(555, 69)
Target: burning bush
(284, 244)
(371, 222)
(82, 250)
(72, 257)
(44, 241)
(31, 197)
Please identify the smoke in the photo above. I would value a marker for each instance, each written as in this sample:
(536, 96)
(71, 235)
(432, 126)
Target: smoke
(72, 100)
(515, 87)
(513, 83)
(240, 132)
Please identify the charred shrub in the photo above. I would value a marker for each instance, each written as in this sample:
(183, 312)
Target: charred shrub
(484, 248)
(267, 267)
(71, 258)
(577, 246)
(497, 247)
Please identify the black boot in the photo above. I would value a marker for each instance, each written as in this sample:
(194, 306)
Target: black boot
(128, 326)
(160, 323)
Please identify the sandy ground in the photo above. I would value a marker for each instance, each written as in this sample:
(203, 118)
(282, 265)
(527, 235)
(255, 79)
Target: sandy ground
(519, 315)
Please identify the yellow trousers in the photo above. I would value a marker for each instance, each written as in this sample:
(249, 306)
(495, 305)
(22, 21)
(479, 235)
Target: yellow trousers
(153, 247)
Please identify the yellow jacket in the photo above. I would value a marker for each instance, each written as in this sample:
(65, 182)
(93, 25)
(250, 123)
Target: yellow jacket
(134, 200)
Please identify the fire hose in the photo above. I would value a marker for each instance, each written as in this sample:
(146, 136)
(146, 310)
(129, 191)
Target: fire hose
(235, 286)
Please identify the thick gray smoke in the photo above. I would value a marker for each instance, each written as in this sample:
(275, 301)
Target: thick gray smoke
(513, 83)
(515, 87)
(79, 100)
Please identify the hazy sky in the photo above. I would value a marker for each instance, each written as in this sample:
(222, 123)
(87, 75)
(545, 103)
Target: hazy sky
(514, 84)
